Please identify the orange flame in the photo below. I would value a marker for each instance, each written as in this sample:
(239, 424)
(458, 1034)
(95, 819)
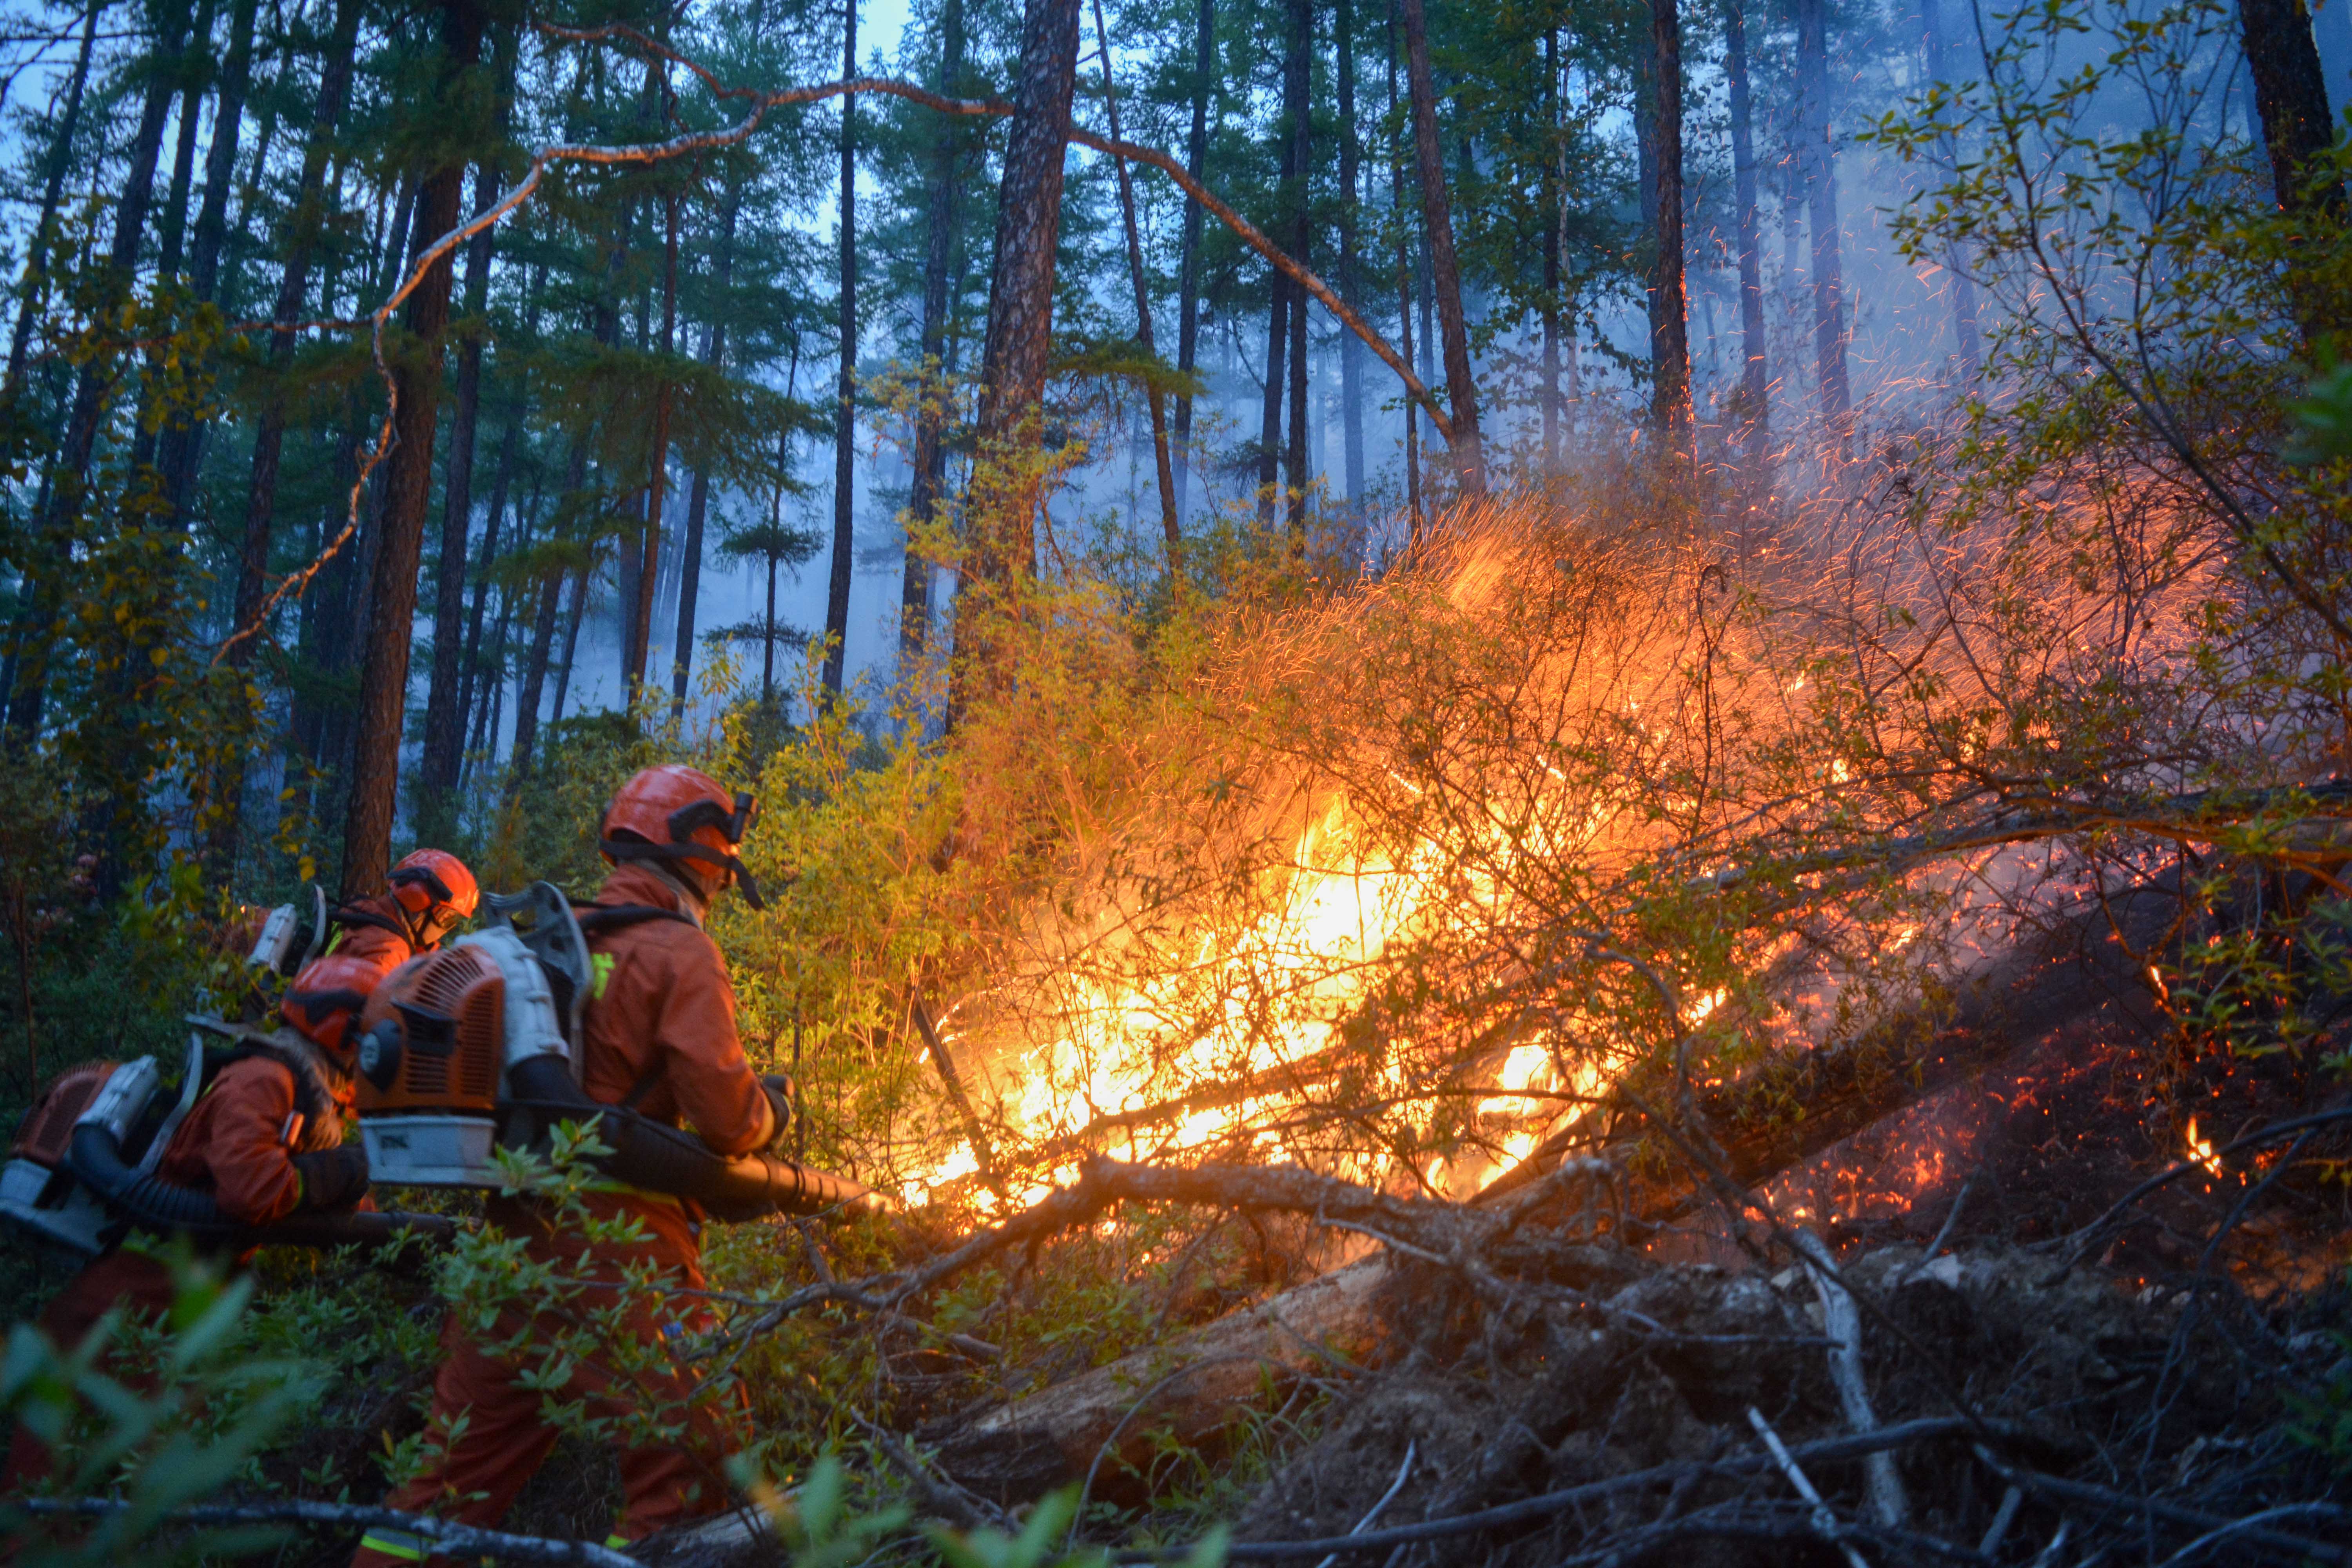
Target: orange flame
(2202, 1150)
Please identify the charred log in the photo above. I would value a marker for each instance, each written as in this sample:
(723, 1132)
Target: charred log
(1107, 1423)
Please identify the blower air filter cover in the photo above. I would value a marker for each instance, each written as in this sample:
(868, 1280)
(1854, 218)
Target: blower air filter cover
(430, 1151)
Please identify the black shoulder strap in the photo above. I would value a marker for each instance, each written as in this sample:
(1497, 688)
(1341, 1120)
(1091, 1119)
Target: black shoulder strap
(349, 915)
(595, 918)
(641, 1087)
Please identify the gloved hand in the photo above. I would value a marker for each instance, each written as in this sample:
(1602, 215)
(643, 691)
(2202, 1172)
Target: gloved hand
(333, 1178)
(779, 1089)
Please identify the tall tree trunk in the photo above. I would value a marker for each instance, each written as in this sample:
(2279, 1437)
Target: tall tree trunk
(1820, 181)
(237, 239)
(543, 635)
(1296, 83)
(470, 667)
(931, 458)
(1754, 417)
(526, 522)
(220, 158)
(302, 230)
(1188, 306)
(45, 229)
(1461, 392)
(1007, 482)
(1169, 525)
(1670, 408)
(1551, 189)
(408, 489)
(388, 267)
(1279, 308)
(195, 71)
(1964, 293)
(610, 312)
(196, 75)
(483, 716)
(1277, 348)
(844, 446)
(1424, 276)
(335, 627)
(1018, 347)
(648, 575)
(697, 505)
(70, 472)
(774, 555)
(1404, 298)
(572, 618)
(1351, 362)
(183, 444)
(534, 681)
(445, 713)
(2291, 94)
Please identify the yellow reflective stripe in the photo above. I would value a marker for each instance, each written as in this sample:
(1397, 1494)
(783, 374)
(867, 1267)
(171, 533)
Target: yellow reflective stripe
(616, 1542)
(402, 1544)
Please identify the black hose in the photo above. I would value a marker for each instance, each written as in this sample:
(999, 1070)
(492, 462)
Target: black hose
(664, 1159)
(151, 1203)
(95, 1157)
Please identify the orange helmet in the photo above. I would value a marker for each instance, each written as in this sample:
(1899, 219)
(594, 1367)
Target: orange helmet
(684, 816)
(324, 1002)
(434, 892)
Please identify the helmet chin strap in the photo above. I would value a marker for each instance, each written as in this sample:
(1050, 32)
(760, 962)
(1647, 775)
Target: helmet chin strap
(623, 850)
(697, 904)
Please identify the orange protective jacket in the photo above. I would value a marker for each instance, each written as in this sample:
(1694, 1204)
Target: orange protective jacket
(659, 1034)
(660, 1025)
(239, 1140)
(384, 949)
(238, 1143)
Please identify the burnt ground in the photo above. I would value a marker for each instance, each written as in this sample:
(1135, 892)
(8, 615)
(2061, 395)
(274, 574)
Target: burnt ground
(2091, 1397)
(2116, 1385)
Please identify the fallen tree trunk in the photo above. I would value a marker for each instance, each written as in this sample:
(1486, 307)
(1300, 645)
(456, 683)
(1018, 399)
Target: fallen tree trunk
(1108, 1422)
(1793, 1106)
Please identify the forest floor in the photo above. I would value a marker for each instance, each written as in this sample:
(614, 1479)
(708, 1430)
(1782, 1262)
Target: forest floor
(2009, 1348)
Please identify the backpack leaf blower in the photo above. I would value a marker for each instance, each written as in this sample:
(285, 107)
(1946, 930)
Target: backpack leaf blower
(81, 1169)
(476, 1046)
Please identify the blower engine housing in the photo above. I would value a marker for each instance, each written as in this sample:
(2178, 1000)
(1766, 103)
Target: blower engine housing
(286, 942)
(41, 1195)
(445, 1030)
(436, 1041)
(37, 1193)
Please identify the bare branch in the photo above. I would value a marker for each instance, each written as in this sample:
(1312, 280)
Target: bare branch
(695, 142)
(456, 1538)
(1547, 1505)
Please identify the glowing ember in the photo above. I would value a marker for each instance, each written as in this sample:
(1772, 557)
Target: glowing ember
(2202, 1150)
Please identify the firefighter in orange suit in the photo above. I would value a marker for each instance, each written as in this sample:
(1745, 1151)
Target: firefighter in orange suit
(658, 1035)
(265, 1139)
(426, 895)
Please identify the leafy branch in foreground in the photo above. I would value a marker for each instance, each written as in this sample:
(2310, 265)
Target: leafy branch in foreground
(157, 1418)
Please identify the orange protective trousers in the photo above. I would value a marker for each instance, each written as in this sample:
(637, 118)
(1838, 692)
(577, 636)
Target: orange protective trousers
(506, 1437)
(126, 1277)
